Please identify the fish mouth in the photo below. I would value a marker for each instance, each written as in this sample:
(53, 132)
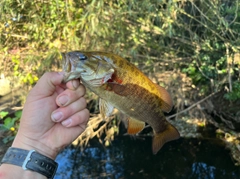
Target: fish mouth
(70, 68)
(67, 66)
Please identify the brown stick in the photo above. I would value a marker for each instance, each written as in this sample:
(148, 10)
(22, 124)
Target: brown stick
(192, 106)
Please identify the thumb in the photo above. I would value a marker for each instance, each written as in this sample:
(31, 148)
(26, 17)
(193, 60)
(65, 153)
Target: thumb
(46, 85)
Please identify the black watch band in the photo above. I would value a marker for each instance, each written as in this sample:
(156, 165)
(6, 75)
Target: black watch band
(31, 160)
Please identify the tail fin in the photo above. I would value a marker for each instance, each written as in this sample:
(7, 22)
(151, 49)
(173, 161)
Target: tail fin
(159, 139)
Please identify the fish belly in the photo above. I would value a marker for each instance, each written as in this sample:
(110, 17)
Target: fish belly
(136, 102)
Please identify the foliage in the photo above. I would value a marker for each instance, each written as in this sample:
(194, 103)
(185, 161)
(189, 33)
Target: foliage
(10, 124)
(170, 34)
(235, 93)
(197, 37)
(215, 39)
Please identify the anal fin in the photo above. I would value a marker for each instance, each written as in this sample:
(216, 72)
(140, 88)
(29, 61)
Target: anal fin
(135, 126)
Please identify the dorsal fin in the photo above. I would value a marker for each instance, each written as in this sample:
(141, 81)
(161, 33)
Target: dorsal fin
(167, 102)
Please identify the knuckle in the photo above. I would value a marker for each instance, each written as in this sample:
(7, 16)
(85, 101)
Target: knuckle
(87, 114)
(82, 89)
(84, 116)
(48, 75)
(83, 102)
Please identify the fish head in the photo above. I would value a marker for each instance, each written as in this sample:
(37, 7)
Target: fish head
(92, 68)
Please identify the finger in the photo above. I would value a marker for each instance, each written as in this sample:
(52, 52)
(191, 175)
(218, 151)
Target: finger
(46, 85)
(59, 89)
(68, 96)
(77, 125)
(63, 113)
(73, 84)
(81, 118)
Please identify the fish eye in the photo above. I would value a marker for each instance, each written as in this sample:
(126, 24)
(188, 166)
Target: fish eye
(82, 57)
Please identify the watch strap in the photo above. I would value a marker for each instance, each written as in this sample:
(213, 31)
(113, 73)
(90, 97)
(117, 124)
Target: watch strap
(31, 160)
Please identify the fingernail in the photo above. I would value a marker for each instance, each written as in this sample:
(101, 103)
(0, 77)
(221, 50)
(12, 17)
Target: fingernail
(63, 100)
(67, 122)
(57, 116)
(75, 84)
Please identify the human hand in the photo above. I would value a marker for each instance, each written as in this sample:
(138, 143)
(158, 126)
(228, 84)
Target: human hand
(54, 115)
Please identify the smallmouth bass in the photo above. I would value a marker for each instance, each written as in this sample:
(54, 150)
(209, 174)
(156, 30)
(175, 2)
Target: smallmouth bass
(122, 85)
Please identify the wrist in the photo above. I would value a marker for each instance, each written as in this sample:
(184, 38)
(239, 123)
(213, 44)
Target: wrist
(29, 144)
(30, 161)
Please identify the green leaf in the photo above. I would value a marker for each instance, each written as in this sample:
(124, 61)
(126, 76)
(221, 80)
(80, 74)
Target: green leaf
(8, 139)
(8, 122)
(3, 114)
(18, 114)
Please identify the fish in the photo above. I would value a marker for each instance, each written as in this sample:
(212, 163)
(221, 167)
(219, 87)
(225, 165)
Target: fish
(120, 84)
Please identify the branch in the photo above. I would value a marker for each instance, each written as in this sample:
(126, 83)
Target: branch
(192, 106)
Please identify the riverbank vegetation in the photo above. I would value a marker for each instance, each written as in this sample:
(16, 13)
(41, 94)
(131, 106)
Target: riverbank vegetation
(192, 47)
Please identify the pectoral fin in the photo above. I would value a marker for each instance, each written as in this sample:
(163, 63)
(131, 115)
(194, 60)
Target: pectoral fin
(119, 89)
(105, 108)
(135, 126)
(159, 139)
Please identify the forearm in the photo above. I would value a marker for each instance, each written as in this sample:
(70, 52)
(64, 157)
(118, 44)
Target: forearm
(18, 172)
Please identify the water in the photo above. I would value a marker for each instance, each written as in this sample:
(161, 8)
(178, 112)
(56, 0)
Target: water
(132, 158)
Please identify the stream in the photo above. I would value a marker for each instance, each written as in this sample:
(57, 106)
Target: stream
(131, 158)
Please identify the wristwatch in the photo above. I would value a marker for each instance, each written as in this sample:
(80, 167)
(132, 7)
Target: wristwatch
(31, 160)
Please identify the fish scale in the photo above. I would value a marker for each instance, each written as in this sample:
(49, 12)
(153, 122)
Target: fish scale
(122, 85)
